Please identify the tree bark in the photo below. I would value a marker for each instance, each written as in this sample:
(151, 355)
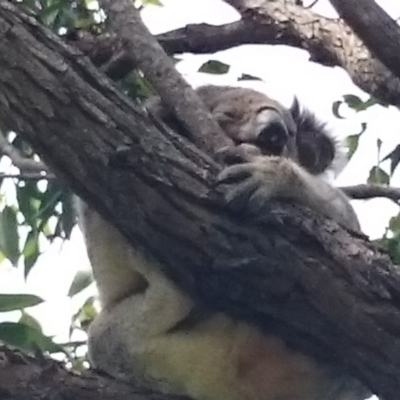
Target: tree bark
(329, 42)
(325, 39)
(23, 377)
(290, 271)
(373, 25)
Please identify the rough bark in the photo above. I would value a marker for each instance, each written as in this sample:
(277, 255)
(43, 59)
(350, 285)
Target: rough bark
(26, 378)
(324, 289)
(124, 21)
(330, 39)
(329, 42)
(376, 29)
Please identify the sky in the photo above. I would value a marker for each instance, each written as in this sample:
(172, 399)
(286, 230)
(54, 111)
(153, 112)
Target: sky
(286, 72)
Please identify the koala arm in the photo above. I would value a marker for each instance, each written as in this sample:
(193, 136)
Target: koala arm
(253, 183)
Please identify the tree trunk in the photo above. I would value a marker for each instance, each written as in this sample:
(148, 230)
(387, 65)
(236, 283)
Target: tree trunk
(324, 289)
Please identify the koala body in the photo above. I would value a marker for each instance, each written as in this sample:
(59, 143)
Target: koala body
(150, 332)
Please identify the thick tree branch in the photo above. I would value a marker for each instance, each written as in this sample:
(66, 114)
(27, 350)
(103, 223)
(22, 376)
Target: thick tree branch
(125, 22)
(25, 378)
(329, 42)
(377, 30)
(294, 273)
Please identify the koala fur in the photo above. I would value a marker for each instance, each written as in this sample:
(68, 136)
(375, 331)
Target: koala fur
(140, 334)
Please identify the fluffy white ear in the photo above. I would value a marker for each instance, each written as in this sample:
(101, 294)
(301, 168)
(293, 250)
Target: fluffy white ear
(317, 148)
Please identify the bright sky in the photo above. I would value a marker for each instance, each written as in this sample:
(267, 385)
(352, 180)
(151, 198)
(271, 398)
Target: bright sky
(285, 72)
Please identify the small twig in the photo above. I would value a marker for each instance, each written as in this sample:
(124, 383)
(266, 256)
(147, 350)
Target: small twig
(34, 176)
(365, 192)
(26, 165)
(312, 4)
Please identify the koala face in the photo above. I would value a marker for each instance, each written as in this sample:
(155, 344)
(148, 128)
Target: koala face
(248, 116)
(251, 117)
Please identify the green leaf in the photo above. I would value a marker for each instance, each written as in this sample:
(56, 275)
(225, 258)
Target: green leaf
(357, 104)
(49, 14)
(377, 176)
(49, 201)
(11, 302)
(28, 197)
(247, 77)
(9, 237)
(137, 86)
(214, 67)
(394, 157)
(152, 2)
(81, 281)
(31, 251)
(353, 102)
(394, 224)
(85, 315)
(335, 109)
(2, 257)
(352, 144)
(27, 319)
(27, 338)
(392, 246)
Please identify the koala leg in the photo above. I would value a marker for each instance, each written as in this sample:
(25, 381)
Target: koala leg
(125, 337)
(139, 302)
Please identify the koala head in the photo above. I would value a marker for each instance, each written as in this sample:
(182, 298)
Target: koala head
(248, 116)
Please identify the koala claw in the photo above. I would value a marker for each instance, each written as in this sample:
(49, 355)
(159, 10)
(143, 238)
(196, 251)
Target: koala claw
(246, 187)
(235, 173)
(249, 186)
(237, 196)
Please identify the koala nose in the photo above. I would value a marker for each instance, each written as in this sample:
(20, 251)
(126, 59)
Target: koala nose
(274, 137)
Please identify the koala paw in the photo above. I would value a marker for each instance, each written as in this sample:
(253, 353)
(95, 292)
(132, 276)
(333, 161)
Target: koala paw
(250, 185)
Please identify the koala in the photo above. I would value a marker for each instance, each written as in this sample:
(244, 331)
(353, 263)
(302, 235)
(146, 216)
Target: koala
(278, 153)
(152, 333)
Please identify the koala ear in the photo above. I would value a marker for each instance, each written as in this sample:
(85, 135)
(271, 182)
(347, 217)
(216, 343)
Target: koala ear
(315, 146)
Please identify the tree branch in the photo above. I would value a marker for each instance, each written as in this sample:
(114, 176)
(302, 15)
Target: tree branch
(25, 378)
(323, 289)
(26, 165)
(329, 42)
(124, 21)
(28, 176)
(364, 192)
(377, 30)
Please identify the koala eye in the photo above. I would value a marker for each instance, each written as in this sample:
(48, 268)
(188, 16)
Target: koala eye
(265, 108)
(230, 114)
